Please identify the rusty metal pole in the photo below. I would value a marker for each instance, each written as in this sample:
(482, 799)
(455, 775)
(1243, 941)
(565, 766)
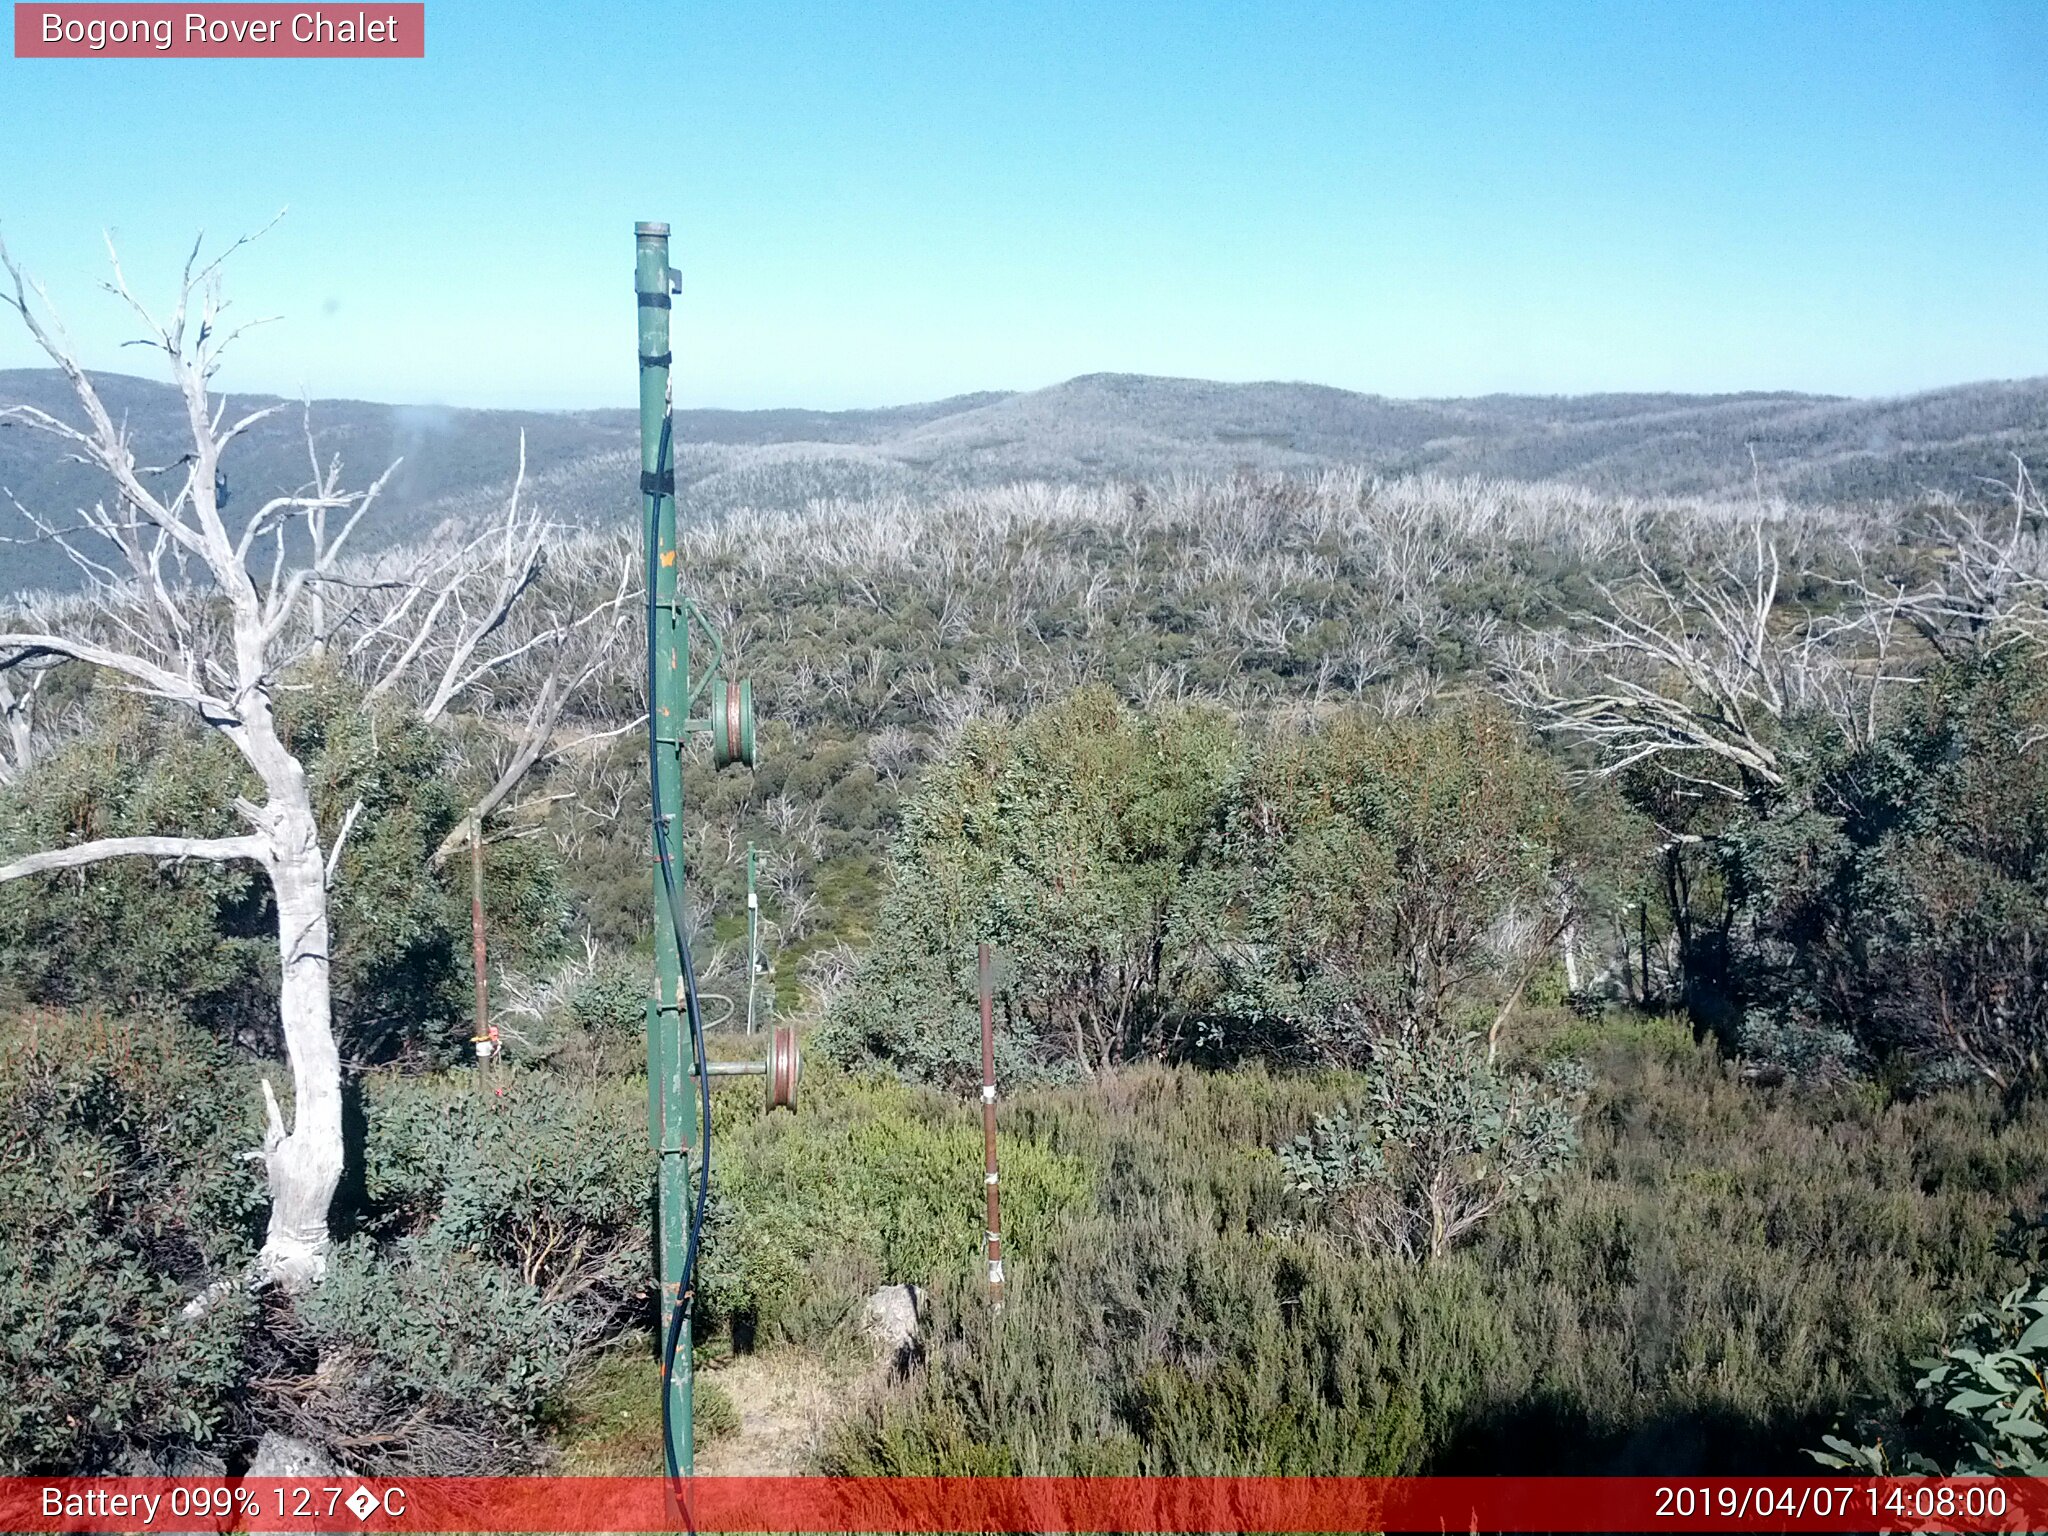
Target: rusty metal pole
(993, 1242)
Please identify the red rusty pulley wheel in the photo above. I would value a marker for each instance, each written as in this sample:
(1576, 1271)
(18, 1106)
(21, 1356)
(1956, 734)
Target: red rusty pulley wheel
(785, 1066)
(732, 722)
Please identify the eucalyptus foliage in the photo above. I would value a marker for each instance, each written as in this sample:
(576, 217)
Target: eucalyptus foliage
(1891, 910)
(1983, 1403)
(1184, 884)
(121, 1198)
(1066, 841)
(198, 939)
(1382, 878)
(1442, 1139)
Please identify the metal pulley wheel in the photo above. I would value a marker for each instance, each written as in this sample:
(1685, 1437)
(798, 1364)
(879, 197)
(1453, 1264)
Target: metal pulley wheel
(732, 722)
(785, 1066)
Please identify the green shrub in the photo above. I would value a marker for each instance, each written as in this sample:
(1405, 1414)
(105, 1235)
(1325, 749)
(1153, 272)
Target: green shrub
(1064, 841)
(1890, 908)
(199, 939)
(1441, 1142)
(1157, 889)
(611, 1001)
(545, 1177)
(191, 938)
(401, 933)
(503, 1242)
(426, 1359)
(874, 1181)
(1168, 1328)
(123, 1193)
(1370, 866)
(1717, 1276)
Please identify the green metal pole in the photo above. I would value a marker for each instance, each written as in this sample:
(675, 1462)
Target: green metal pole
(672, 1104)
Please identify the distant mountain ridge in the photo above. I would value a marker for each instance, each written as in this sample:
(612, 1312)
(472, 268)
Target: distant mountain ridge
(1099, 427)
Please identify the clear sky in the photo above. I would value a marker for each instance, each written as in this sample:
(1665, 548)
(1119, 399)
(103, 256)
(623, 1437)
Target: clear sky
(877, 202)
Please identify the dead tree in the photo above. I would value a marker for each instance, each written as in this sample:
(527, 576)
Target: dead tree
(1694, 675)
(512, 611)
(1991, 588)
(17, 708)
(210, 618)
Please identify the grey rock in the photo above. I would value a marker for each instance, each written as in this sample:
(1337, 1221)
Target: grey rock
(892, 1320)
(287, 1456)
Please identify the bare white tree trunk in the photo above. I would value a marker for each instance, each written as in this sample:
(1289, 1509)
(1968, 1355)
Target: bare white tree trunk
(17, 707)
(303, 1162)
(173, 610)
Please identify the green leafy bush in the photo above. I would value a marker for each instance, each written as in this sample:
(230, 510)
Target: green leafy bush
(1372, 871)
(1166, 1328)
(542, 1176)
(502, 1241)
(1157, 888)
(874, 1181)
(1716, 1277)
(1886, 913)
(199, 939)
(1982, 1409)
(427, 1359)
(123, 1194)
(1063, 840)
(191, 938)
(401, 934)
(611, 1001)
(1441, 1142)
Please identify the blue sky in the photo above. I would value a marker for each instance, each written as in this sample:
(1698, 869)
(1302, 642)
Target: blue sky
(878, 202)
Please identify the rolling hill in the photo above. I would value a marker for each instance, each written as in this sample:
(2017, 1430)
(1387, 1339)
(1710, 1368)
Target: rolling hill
(457, 463)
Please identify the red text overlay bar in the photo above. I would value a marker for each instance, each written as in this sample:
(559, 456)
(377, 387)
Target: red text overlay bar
(117, 31)
(1176, 1504)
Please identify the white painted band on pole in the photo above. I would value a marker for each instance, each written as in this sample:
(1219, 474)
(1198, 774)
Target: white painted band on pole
(988, 1093)
(990, 1179)
(995, 1271)
(753, 901)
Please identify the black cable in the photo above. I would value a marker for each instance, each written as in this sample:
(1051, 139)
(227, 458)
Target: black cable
(686, 1293)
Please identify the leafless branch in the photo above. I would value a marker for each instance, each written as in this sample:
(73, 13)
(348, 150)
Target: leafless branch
(79, 854)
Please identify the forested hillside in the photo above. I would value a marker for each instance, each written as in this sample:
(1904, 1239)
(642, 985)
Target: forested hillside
(1099, 429)
(1492, 973)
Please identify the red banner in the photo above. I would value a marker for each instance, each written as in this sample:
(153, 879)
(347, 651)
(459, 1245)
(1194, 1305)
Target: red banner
(237, 31)
(1176, 1504)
